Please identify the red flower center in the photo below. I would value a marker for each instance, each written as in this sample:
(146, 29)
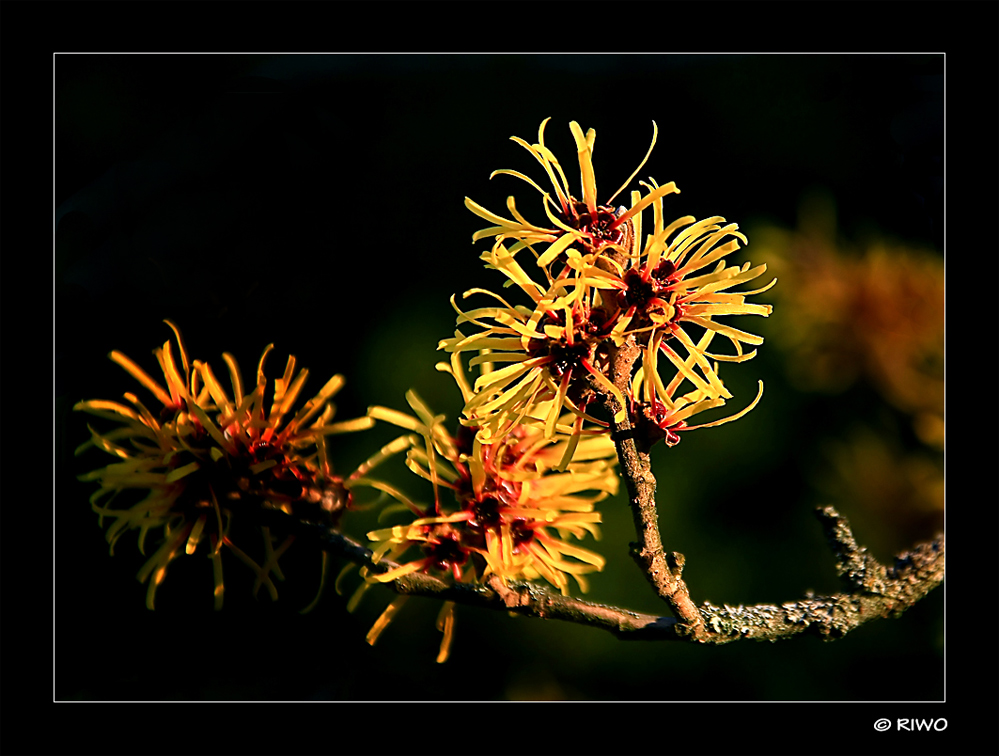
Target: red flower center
(485, 512)
(602, 227)
(520, 532)
(567, 357)
(445, 552)
(638, 293)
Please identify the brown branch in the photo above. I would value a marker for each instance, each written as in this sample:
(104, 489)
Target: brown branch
(521, 597)
(872, 593)
(663, 571)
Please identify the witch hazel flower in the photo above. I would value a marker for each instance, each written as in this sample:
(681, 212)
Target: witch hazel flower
(608, 280)
(207, 458)
(501, 509)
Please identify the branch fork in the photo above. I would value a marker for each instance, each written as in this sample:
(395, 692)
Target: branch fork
(872, 590)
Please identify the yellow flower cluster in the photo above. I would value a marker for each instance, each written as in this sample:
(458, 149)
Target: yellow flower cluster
(511, 506)
(607, 279)
(206, 456)
(509, 513)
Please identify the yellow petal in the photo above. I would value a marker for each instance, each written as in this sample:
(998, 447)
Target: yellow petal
(141, 376)
(584, 148)
(181, 472)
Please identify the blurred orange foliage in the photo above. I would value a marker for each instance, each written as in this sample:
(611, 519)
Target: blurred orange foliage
(844, 314)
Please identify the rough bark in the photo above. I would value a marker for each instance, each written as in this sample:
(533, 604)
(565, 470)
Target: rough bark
(873, 591)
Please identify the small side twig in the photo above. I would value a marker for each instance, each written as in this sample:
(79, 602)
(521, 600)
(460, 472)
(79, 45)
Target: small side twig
(873, 592)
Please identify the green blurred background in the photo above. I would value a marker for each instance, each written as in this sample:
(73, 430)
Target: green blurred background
(317, 202)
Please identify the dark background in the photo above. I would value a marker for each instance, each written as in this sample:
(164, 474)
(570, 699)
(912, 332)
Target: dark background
(316, 202)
